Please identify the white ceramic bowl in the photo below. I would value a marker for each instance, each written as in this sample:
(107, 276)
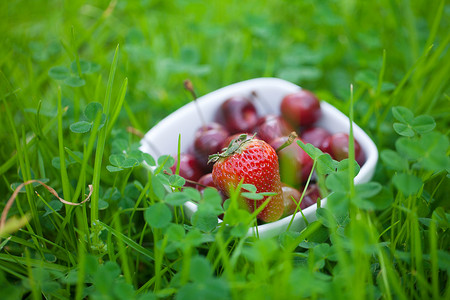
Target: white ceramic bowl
(163, 138)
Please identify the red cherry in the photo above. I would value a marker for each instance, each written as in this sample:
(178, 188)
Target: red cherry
(208, 140)
(311, 196)
(238, 114)
(315, 136)
(337, 146)
(271, 127)
(288, 193)
(190, 168)
(205, 180)
(295, 164)
(301, 108)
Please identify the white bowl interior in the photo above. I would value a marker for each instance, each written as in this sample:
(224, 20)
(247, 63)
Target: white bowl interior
(163, 138)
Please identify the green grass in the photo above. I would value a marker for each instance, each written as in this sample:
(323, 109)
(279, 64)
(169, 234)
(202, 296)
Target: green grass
(79, 82)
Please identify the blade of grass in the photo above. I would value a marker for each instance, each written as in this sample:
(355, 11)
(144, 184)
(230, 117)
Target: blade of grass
(20, 260)
(118, 106)
(62, 160)
(20, 156)
(35, 291)
(128, 241)
(132, 117)
(75, 157)
(351, 148)
(301, 197)
(123, 251)
(46, 129)
(9, 269)
(101, 144)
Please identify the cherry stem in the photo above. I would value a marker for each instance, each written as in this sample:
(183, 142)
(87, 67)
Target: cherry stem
(190, 87)
(195, 183)
(135, 131)
(292, 136)
(256, 97)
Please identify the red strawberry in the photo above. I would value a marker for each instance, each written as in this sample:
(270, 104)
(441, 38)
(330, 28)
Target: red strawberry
(255, 162)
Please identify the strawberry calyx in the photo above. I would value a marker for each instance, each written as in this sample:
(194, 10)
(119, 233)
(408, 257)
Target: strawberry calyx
(235, 146)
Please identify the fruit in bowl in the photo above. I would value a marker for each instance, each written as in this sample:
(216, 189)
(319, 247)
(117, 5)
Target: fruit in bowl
(271, 127)
(163, 138)
(250, 161)
(208, 140)
(295, 163)
(301, 108)
(315, 136)
(238, 114)
(337, 146)
(190, 169)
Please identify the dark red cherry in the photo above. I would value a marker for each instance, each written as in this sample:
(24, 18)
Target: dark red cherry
(315, 136)
(295, 164)
(190, 168)
(237, 114)
(271, 127)
(337, 146)
(205, 180)
(301, 108)
(208, 140)
(307, 201)
(311, 196)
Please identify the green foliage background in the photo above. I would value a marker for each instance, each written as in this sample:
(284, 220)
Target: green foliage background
(57, 55)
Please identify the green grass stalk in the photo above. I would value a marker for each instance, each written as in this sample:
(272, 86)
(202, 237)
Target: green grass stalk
(62, 159)
(123, 253)
(101, 146)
